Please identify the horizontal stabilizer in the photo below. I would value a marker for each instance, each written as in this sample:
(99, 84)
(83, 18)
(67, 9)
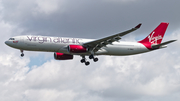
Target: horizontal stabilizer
(162, 44)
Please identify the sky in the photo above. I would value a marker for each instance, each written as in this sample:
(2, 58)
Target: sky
(152, 76)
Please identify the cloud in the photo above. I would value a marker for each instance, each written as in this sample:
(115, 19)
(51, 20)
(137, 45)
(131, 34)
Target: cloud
(48, 7)
(49, 95)
(84, 18)
(120, 78)
(122, 1)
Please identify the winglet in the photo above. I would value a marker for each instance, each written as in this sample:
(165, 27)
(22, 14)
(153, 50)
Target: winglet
(138, 26)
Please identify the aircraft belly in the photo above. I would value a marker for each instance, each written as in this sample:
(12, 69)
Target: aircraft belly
(125, 49)
(121, 50)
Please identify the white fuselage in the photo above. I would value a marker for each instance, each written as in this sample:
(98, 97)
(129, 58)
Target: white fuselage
(59, 44)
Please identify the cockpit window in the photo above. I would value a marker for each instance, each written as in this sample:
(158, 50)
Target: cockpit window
(11, 39)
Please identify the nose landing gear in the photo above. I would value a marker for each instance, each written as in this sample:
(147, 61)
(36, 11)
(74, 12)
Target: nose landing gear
(22, 54)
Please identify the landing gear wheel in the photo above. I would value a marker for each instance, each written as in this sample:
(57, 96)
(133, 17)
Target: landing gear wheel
(87, 63)
(22, 55)
(91, 56)
(95, 59)
(83, 60)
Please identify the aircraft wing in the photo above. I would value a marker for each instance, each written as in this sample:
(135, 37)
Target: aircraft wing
(95, 45)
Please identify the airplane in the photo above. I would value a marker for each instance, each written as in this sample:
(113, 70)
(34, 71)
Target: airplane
(65, 48)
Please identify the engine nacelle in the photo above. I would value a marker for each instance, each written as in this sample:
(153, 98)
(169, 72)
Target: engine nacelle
(77, 49)
(62, 56)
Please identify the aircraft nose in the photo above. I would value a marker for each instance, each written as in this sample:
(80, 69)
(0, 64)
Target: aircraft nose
(6, 42)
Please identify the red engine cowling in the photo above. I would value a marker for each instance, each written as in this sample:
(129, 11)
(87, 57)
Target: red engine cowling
(77, 49)
(62, 56)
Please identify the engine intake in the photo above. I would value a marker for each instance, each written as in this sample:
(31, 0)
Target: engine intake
(77, 49)
(62, 56)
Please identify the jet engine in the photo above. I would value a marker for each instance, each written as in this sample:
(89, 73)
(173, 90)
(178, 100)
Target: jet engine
(62, 56)
(77, 49)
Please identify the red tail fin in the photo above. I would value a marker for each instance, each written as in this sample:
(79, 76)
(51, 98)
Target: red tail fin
(157, 35)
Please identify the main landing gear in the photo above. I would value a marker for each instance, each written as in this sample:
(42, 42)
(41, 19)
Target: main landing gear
(83, 60)
(22, 54)
(92, 57)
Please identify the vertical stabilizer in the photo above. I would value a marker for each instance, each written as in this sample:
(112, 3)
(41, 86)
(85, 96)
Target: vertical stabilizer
(156, 36)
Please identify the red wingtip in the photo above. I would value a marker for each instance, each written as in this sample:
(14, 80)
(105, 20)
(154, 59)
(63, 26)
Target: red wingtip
(138, 26)
(165, 23)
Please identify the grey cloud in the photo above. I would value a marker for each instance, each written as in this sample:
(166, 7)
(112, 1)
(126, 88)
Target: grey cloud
(86, 19)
